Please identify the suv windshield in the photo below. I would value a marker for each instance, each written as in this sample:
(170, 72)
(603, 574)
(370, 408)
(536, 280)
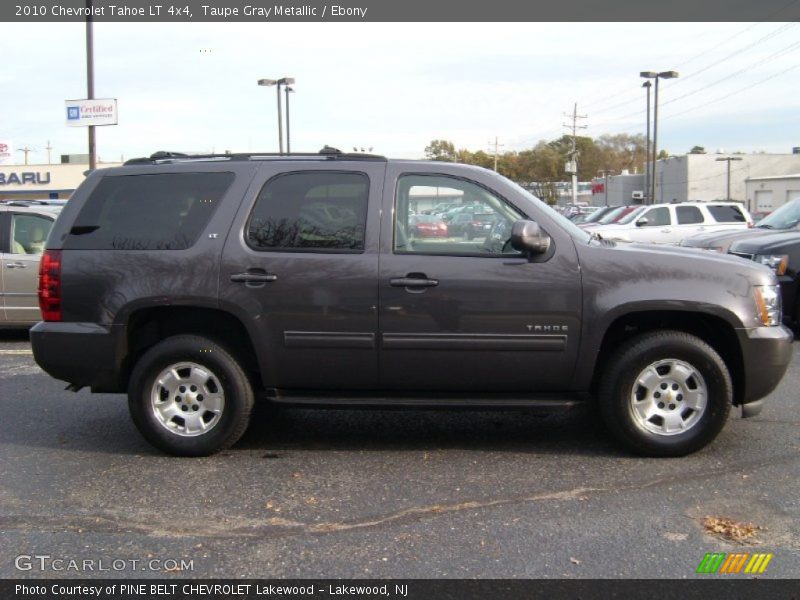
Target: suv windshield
(564, 222)
(786, 217)
(631, 216)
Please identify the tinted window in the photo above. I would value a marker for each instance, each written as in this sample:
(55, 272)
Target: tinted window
(148, 212)
(657, 217)
(29, 233)
(726, 213)
(688, 215)
(322, 210)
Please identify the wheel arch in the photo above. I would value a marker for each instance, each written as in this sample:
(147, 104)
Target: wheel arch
(714, 330)
(147, 326)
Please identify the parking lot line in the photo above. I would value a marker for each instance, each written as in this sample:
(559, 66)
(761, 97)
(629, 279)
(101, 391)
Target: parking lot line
(16, 352)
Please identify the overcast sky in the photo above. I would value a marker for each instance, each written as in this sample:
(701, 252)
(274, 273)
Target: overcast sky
(396, 86)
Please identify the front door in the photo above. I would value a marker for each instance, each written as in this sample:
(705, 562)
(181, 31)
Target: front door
(471, 315)
(300, 268)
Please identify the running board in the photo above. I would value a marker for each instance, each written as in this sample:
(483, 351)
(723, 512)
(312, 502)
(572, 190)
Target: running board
(545, 403)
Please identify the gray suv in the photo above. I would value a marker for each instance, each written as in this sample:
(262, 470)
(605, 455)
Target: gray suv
(196, 284)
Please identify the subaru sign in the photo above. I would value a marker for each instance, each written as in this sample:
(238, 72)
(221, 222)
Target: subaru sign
(81, 113)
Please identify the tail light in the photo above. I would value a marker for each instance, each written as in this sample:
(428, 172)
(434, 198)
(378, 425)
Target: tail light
(50, 285)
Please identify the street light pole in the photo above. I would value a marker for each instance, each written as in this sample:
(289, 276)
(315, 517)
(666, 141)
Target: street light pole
(90, 81)
(656, 76)
(728, 160)
(278, 83)
(288, 89)
(647, 85)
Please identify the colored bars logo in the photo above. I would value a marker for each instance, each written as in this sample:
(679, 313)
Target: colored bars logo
(744, 562)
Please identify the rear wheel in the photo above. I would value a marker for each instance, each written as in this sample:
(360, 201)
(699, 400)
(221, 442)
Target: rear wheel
(188, 396)
(666, 394)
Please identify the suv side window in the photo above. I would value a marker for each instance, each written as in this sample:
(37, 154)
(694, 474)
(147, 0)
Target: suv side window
(726, 213)
(167, 211)
(688, 215)
(29, 233)
(482, 228)
(310, 211)
(656, 217)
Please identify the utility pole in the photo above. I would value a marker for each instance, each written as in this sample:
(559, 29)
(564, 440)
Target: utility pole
(572, 164)
(496, 145)
(48, 148)
(26, 151)
(728, 160)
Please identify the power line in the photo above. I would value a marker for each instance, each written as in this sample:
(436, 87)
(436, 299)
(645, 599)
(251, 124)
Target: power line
(761, 40)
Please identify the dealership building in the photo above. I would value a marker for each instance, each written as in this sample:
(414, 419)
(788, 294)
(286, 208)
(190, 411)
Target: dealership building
(36, 182)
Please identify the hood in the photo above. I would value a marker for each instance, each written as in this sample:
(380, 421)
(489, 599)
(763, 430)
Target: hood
(721, 239)
(769, 243)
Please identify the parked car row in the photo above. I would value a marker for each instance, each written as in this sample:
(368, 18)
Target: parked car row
(774, 242)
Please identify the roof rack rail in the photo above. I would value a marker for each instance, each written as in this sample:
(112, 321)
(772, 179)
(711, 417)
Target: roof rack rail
(326, 153)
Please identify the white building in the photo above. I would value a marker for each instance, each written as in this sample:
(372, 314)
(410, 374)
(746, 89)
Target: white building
(765, 194)
(704, 177)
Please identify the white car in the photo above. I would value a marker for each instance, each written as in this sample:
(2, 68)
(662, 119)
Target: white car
(671, 223)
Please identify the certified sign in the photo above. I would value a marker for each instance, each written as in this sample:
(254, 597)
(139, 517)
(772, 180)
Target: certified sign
(81, 113)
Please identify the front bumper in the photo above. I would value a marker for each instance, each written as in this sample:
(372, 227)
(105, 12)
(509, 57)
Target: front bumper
(83, 354)
(766, 354)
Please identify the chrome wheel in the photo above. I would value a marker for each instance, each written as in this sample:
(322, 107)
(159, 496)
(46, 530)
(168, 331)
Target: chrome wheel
(187, 399)
(669, 397)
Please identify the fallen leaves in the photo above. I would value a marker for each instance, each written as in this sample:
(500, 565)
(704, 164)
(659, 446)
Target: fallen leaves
(729, 529)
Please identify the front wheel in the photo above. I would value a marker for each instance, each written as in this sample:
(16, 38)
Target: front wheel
(189, 397)
(665, 394)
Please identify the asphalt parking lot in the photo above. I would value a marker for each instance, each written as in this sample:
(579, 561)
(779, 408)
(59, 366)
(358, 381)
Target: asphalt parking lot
(380, 494)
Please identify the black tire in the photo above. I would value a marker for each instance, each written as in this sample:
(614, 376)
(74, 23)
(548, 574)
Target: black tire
(228, 381)
(619, 391)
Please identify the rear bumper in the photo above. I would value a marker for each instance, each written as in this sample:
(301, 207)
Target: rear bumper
(84, 354)
(767, 352)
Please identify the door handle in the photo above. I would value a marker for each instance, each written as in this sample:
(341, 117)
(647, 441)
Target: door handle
(415, 282)
(248, 277)
(16, 265)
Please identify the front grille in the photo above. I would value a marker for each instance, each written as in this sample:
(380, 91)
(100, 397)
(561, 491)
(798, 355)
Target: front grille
(742, 255)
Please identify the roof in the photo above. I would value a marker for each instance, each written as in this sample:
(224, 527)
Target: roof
(326, 153)
(773, 177)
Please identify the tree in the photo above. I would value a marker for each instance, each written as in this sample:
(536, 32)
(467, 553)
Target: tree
(442, 150)
(697, 150)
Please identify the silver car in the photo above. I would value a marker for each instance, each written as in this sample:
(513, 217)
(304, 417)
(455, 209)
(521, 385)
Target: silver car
(24, 227)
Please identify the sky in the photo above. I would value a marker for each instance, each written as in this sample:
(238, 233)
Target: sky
(394, 87)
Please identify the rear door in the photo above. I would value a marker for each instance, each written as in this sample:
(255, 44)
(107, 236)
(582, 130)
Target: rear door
(300, 268)
(461, 315)
(690, 221)
(27, 233)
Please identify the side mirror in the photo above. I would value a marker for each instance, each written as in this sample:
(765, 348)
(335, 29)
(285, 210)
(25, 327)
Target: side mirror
(642, 222)
(527, 236)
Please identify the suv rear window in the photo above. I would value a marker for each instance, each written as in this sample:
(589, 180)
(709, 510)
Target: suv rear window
(167, 211)
(311, 211)
(726, 213)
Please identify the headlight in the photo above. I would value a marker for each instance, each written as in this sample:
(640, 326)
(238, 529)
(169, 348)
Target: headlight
(777, 262)
(768, 303)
